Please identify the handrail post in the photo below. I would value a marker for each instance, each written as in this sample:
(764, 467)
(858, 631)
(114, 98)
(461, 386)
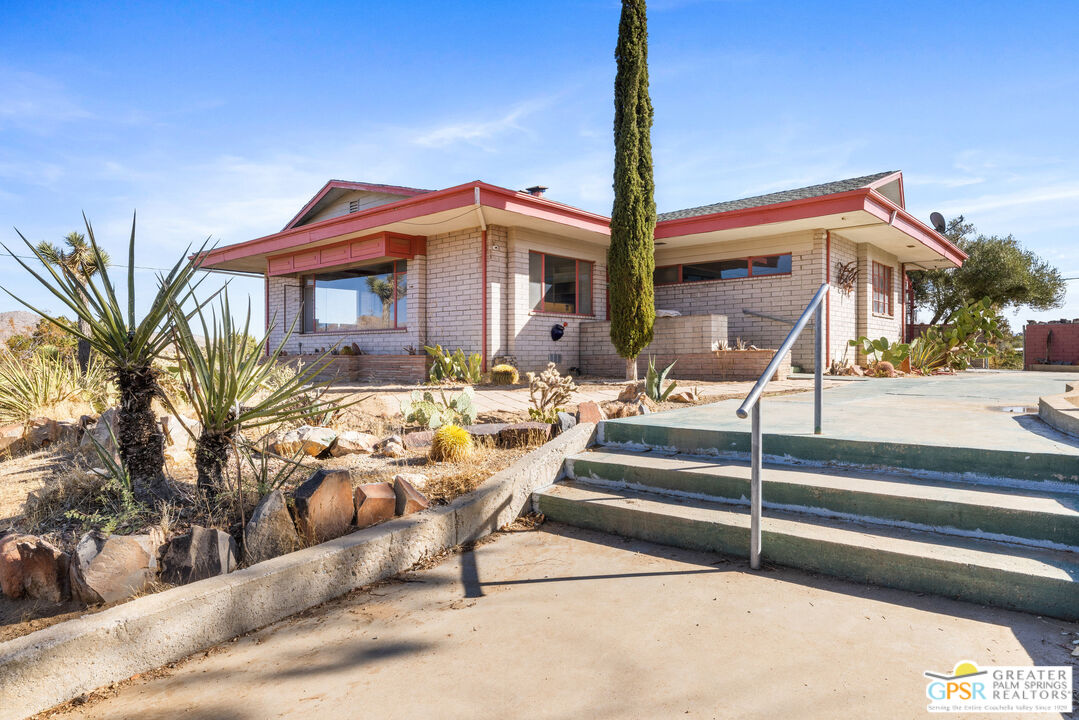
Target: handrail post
(818, 368)
(755, 490)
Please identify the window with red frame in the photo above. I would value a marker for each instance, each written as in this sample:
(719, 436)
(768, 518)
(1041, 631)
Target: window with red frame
(559, 285)
(747, 267)
(882, 289)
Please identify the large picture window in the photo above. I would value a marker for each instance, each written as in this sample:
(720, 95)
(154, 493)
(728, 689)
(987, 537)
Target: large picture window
(747, 267)
(367, 298)
(559, 284)
(882, 289)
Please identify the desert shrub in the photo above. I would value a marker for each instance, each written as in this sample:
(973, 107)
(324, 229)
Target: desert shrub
(431, 412)
(654, 379)
(29, 386)
(549, 391)
(451, 443)
(505, 375)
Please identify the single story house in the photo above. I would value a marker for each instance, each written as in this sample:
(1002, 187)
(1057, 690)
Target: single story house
(487, 269)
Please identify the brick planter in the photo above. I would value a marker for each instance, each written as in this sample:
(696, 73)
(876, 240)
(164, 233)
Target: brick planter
(372, 368)
(747, 364)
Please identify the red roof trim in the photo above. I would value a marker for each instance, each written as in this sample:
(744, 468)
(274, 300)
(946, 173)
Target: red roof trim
(882, 207)
(898, 175)
(346, 185)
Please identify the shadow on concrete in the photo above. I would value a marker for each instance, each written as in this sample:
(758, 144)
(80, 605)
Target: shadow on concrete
(351, 657)
(1034, 424)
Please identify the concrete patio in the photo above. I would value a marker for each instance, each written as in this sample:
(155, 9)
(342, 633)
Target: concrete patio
(566, 623)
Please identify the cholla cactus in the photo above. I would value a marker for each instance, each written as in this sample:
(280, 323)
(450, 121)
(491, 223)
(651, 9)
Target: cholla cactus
(505, 375)
(452, 443)
(549, 392)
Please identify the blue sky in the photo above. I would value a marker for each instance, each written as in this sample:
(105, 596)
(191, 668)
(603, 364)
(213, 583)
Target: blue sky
(219, 119)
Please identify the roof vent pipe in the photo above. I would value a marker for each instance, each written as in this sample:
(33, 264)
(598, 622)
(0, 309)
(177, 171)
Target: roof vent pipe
(536, 190)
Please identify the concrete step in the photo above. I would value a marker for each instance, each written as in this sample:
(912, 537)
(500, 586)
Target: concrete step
(1023, 578)
(1021, 512)
(676, 435)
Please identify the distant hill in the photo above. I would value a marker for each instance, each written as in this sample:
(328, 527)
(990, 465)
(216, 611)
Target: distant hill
(16, 322)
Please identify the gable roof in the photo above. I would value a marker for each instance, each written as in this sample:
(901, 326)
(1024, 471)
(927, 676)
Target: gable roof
(340, 186)
(810, 191)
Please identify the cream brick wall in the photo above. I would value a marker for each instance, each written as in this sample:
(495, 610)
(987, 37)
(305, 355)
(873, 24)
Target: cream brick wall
(871, 324)
(454, 300)
(843, 306)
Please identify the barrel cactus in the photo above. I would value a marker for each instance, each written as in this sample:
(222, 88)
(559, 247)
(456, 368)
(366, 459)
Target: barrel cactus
(504, 375)
(451, 443)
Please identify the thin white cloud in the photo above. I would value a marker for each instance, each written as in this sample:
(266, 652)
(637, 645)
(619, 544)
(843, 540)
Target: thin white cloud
(479, 133)
(35, 103)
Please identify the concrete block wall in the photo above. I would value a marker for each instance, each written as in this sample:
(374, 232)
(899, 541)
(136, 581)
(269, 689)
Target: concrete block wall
(687, 339)
(1063, 349)
(453, 290)
(843, 304)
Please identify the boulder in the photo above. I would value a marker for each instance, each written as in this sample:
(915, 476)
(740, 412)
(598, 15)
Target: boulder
(630, 391)
(351, 442)
(32, 567)
(40, 432)
(100, 431)
(114, 568)
(11, 438)
(416, 480)
(409, 499)
(646, 402)
(686, 396)
(590, 412)
(524, 434)
(176, 437)
(324, 506)
(485, 433)
(287, 445)
(374, 502)
(199, 554)
(316, 440)
(419, 439)
(566, 421)
(270, 531)
(393, 450)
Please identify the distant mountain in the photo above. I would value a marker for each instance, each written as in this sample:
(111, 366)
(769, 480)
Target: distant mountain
(16, 322)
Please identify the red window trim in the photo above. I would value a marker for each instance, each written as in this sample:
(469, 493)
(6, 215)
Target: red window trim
(749, 269)
(577, 289)
(883, 295)
(396, 327)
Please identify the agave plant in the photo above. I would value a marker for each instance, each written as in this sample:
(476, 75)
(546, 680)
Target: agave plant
(653, 382)
(231, 385)
(127, 344)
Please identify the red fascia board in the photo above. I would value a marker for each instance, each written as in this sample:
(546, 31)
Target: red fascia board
(346, 185)
(849, 201)
(460, 196)
(880, 206)
(897, 175)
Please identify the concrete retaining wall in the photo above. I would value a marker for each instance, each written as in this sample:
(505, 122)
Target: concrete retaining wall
(61, 662)
(1061, 411)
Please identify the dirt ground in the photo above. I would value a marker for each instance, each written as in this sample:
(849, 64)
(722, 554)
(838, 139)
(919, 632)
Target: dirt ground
(565, 623)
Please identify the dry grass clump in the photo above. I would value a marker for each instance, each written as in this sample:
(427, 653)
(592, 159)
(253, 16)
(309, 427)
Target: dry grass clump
(448, 487)
(451, 443)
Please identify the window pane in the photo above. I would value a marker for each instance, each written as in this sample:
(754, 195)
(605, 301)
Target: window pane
(584, 305)
(775, 265)
(720, 270)
(665, 275)
(356, 299)
(401, 319)
(308, 305)
(559, 284)
(535, 265)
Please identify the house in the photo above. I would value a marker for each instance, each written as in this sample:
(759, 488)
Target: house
(493, 270)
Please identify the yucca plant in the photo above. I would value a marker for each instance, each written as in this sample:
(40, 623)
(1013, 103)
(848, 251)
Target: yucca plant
(231, 385)
(30, 385)
(128, 345)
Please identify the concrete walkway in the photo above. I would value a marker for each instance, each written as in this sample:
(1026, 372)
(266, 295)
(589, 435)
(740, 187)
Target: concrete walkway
(994, 410)
(564, 623)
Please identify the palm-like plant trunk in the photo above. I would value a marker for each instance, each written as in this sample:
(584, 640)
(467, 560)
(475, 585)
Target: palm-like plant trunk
(211, 456)
(139, 437)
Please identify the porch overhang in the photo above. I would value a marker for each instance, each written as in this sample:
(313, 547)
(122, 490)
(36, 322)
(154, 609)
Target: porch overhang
(434, 213)
(862, 215)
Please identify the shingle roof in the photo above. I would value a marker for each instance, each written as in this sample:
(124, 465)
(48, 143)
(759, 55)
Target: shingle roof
(777, 197)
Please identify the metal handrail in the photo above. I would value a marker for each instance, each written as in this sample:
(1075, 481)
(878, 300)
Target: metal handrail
(753, 403)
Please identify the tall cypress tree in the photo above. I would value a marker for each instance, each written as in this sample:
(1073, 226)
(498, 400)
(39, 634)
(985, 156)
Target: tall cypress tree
(631, 257)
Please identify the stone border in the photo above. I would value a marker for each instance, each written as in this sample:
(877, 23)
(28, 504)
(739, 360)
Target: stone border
(58, 663)
(1058, 411)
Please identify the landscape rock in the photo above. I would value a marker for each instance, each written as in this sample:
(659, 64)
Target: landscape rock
(270, 531)
(40, 432)
(524, 434)
(114, 568)
(383, 406)
(485, 433)
(199, 554)
(646, 402)
(686, 396)
(419, 439)
(175, 435)
(32, 567)
(100, 431)
(393, 450)
(287, 445)
(316, 440)
(11, 438)
(374, 502)
(566, 421)
(409, 499)
(351, 442)
(630, 391)
(416, 480)
(590, 412)
(324, 506)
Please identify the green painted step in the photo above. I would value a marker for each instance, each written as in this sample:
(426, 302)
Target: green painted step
(1018, 512)
(656, 432)
(1023, 578)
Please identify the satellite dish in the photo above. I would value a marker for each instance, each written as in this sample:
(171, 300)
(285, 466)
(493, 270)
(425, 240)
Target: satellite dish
(938, 222)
